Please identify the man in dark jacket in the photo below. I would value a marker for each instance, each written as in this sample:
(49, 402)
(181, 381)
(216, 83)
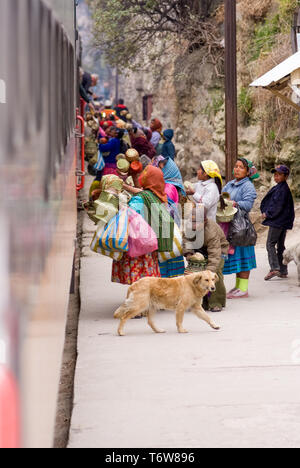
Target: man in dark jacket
(87, 82)
(279, 214)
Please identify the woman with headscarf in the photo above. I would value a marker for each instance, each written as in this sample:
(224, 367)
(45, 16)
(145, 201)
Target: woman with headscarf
(172, 177)
(243, 193)
(156, 128)
(151, 204)
(141, 144)
(112, 148)
(103, 202)
(174, 186)
(207, 191)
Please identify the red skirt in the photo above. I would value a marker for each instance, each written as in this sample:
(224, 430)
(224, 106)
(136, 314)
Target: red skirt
(130, 270)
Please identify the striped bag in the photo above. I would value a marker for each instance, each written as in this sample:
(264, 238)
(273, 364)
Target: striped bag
(97, 249)
(116, 233)
(177, 247)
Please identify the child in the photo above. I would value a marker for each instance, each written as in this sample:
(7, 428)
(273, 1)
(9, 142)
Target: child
(168, 148)
(207, 191)
(279, 214)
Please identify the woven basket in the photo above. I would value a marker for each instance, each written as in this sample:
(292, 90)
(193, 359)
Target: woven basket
(195, 267)
(132, 155)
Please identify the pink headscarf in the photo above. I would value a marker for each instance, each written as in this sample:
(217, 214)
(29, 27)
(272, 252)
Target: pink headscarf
(172, 192)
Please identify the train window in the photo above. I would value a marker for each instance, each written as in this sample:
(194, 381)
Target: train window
(2, 92)
(65, 91)
(3, 72)
(13, 130)
(26, 65)
(35, 36)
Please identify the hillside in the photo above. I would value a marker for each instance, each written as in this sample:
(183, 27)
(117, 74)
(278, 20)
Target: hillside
(187, 85)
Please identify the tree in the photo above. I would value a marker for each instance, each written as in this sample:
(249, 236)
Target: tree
(124, 28)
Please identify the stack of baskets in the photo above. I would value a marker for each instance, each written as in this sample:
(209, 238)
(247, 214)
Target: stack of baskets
(196, 263)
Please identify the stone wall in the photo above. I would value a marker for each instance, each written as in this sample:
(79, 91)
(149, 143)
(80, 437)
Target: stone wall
(189, 97)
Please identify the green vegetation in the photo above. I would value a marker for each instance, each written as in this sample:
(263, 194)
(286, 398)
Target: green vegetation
(215, 105)
(267, 30)
(286, 10)
(264, 37)
(245, 105)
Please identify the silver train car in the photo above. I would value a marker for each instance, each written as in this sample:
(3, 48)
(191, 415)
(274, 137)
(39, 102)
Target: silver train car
(38, 210)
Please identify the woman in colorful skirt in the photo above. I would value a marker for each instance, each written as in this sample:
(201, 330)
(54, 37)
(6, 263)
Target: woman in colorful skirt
(174, 187)
(151, 204)
(243, 260)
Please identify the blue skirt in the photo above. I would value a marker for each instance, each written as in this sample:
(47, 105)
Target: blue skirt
(172, 268)
(244, 259)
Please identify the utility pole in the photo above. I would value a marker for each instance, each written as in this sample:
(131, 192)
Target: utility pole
(230, 87)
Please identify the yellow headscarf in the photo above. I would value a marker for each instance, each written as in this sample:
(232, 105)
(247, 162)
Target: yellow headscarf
(212, 170)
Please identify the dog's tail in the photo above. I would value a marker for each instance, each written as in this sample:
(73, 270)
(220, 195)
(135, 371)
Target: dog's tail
(124, 308)
(120, 312)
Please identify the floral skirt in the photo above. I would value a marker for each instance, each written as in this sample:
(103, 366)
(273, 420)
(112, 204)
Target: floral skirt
(130, 270)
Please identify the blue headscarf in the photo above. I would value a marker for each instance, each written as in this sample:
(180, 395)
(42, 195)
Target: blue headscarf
(168, 148)
(172, 174)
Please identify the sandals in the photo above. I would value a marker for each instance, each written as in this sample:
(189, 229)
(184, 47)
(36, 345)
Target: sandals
(272, 274)
(238, 294)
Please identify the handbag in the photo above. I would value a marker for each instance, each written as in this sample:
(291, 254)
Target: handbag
(142, 239)
(115, 234)
(177, 250)
(100, 164)
(242, 233)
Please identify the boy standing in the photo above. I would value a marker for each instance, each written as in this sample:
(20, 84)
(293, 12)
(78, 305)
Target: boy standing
(279, 214)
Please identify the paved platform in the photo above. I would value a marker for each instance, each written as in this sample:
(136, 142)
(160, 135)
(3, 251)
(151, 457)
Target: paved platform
(239, 387)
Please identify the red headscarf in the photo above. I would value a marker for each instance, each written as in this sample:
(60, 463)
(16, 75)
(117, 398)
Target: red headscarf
(153, 179)
(156, 125)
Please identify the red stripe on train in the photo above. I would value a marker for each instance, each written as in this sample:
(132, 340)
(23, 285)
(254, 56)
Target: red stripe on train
(9, 410)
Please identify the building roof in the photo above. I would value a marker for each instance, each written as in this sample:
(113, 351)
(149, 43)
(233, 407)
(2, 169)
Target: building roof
(279, 74)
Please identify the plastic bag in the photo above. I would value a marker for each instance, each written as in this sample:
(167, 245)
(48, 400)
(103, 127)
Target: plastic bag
(242, 233)
(97, 249)
(177, 247)
(115, 235)
(142, 239)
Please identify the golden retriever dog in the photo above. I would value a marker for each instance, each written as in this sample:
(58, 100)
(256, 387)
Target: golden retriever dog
(179, 294)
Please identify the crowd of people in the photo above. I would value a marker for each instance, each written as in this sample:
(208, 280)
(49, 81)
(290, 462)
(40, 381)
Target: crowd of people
(137, 180)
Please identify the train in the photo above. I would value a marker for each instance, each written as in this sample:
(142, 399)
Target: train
(40, 176)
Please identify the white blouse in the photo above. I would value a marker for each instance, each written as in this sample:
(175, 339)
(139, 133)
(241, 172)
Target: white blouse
(208, 194)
